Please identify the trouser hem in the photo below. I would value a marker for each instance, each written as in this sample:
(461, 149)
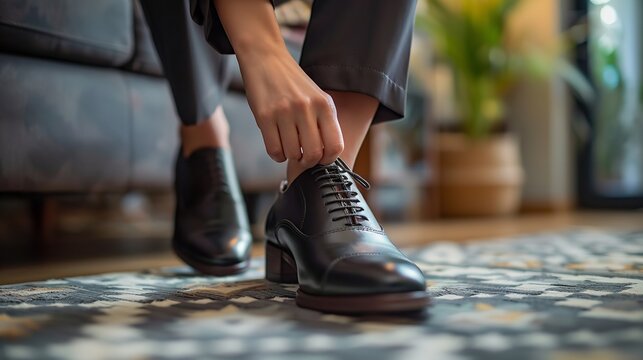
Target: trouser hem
(363, 80)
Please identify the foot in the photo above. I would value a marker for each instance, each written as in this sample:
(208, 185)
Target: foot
(321, 234)
(211, 231)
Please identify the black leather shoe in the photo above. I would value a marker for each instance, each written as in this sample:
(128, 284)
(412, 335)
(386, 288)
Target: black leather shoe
(211, 231)
(321, 234)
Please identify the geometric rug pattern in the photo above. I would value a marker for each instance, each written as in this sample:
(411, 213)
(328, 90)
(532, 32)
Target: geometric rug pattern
(576, 294)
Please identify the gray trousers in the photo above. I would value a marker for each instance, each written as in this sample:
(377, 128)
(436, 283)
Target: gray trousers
(351, 45)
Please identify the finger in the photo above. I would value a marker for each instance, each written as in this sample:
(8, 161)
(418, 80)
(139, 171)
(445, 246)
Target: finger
(309, 138)
(289, 139)
(330, 132)
(310, 141)
(272, 141)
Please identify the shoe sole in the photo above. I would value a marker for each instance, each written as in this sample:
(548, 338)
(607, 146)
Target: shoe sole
(365, 304)
(282, 268)
(209, 269)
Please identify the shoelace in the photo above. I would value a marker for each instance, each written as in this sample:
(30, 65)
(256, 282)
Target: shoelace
(345, 200)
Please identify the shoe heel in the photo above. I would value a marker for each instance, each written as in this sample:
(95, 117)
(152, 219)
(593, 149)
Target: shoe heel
(280, 267)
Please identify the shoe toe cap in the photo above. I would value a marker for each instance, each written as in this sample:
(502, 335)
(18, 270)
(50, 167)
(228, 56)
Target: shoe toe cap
(373, 274)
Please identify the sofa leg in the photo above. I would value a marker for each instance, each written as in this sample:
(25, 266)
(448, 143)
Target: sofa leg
(43, 216)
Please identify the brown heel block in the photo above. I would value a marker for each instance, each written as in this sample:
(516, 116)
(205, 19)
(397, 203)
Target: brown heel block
(280, 267)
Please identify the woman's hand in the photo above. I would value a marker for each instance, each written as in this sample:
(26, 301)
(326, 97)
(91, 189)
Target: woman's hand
(297, 119)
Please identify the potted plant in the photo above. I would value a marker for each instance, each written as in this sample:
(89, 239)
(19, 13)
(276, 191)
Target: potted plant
(480, 171)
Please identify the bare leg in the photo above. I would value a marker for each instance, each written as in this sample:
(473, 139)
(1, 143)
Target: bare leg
(213, 132)
(355, 113)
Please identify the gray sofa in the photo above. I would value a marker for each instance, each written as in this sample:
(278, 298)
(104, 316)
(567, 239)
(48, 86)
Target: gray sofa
(84, 106)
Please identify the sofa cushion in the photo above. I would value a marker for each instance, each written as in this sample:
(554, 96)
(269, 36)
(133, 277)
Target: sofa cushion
(145, 59)
(154, 132)
(63, 127)
(95, 32)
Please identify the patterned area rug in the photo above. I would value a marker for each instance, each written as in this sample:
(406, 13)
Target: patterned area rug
(577, 294)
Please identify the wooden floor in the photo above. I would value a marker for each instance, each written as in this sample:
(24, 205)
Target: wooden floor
(404, 235)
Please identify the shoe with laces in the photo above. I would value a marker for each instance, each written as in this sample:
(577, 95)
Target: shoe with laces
(321, 234)
(211, 229)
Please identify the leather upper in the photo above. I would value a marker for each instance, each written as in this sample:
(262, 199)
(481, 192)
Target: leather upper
(95, 122)
(350, 255)
(95, 32)
(211, 223)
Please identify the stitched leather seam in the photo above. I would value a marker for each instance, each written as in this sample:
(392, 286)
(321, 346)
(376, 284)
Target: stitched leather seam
(353, 229)
(294, 227)
(68, 37)
(289, 224)
(303, 200)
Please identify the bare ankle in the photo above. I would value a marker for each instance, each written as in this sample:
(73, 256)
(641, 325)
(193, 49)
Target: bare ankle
(213, 132)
